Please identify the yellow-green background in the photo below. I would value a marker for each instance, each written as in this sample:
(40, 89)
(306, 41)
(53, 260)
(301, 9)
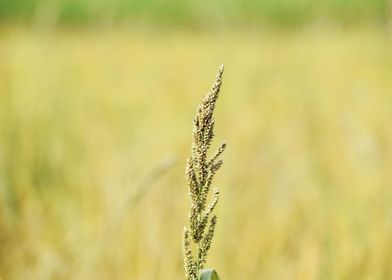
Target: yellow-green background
(92, 110)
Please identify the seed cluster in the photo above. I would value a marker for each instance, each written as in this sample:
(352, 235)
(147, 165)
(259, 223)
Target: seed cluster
(199, 174)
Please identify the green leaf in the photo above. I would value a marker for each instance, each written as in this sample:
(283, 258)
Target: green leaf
(209, 274)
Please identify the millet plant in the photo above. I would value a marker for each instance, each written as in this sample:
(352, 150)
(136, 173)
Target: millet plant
(200, 171)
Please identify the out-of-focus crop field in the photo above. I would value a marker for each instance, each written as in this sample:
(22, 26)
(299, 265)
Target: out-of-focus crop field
(287, 13)
(87, 117)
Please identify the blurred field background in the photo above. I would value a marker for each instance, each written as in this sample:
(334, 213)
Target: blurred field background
(194, 13)
(96, 107)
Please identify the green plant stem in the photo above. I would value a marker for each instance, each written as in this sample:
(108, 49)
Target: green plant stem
(198, 248)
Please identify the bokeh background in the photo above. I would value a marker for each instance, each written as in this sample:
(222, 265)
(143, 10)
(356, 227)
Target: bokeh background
(96, 106)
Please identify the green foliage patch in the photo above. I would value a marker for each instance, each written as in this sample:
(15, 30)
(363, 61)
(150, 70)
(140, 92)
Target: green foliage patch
(195, 13)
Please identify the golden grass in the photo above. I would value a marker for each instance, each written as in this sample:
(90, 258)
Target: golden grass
(85, 115)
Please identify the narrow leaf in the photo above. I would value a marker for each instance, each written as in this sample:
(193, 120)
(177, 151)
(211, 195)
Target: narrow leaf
(209, 274)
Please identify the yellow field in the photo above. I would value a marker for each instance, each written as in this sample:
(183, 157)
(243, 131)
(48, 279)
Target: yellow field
(88, 118)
